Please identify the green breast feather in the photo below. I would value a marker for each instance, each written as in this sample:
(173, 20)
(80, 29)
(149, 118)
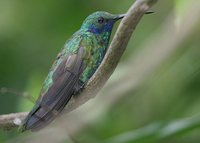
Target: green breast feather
(93, 55)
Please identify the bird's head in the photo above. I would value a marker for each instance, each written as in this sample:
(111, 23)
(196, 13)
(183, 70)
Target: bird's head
(100, 22)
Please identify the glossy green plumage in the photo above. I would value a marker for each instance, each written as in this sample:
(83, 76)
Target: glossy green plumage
(73, 67)
(95, 46)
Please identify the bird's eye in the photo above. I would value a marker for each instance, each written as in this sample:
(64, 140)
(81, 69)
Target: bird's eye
(101, 20)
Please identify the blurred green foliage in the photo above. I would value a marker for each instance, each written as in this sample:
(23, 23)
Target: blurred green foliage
(33, 32)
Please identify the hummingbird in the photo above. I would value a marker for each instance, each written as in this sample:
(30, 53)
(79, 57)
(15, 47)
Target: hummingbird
(73, 67)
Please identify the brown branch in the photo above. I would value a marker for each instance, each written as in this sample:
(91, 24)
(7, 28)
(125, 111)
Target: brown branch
(114, 53)
(8, 121)
(112, 57)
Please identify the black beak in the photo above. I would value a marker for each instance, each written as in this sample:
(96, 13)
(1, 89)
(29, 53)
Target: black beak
(120, 16)
(149, 12)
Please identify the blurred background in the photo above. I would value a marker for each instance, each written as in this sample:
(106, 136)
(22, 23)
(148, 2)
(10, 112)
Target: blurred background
(153, 95)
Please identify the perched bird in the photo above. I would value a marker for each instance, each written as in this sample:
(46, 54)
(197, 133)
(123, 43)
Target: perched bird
(73, 67)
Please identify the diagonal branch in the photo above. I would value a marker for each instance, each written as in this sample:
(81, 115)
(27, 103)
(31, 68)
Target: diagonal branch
(114, 53)
(112, 57)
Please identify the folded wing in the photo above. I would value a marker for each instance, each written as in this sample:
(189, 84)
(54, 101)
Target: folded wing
(65, 80)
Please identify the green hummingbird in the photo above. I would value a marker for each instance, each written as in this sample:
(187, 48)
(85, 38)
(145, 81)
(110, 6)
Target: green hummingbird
(73, 67)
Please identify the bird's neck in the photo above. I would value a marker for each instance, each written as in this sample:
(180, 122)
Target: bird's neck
(102, 38)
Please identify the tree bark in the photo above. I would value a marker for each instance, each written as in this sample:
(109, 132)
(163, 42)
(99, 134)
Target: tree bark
(108, 65)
